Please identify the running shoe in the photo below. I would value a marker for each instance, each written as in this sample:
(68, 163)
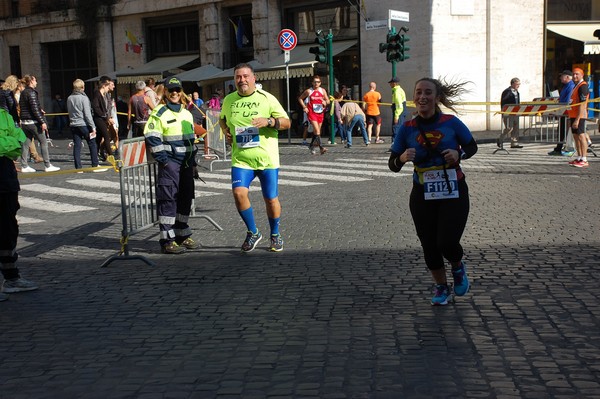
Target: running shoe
(28, 169)
(581, 164)
(567, 153)
(276, 243)
(323, 150)
(555, 152)
(379, 141)
(251, 241)
(18, 285)
(312, 150)
(461, 282)
(573, 162)
(441, 294)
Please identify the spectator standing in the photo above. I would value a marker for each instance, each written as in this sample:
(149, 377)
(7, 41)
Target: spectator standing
(371, 108)
(170, 138)
(140, 106)
(197, 100)
(339, 124)
(566, 78)
(8, 101)
(439, 201)
(82, 123)
(510, 96)
(577, 115)
(398, 106)
(59, 108)
(352, 115)
(251, 119)
(34, 124)
(12, 140)
(151, 91)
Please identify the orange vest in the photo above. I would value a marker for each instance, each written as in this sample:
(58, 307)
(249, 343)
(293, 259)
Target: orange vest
(574, 111)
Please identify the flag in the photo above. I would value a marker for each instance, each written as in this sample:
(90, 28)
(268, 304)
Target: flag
(240, 33)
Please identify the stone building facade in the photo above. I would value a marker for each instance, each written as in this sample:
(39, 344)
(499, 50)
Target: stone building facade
(484, 42)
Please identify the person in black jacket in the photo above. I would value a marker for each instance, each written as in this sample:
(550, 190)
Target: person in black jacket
(100, 109)
(7, 97)
(34, 124)
(510, 96)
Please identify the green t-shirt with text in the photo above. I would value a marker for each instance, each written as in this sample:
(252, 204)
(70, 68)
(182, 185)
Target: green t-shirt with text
(252, 148)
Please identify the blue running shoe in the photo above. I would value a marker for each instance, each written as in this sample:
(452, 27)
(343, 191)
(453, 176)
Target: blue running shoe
(251, 241)
(441, 293)
(461, 282)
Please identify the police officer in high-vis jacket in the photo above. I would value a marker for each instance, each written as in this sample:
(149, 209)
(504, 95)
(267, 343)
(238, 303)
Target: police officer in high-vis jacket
(170, 138)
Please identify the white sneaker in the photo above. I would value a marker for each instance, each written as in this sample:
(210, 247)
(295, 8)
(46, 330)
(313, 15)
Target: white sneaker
(52, 168)
(28, 169)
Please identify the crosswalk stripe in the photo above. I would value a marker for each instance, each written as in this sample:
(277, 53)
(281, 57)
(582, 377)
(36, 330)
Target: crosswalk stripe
(339, 170)
(225, 175)
(322, 176)
(91, 195)
(52, 206)
(28, 220)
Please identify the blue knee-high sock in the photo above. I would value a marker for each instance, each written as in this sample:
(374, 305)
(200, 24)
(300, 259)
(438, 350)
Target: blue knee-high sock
(274, 223)
(248, 218)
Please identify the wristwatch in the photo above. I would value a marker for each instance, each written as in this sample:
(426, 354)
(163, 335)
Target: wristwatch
(269, 123)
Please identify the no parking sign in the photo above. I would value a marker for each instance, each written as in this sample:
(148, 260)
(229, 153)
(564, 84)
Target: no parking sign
(287, 39)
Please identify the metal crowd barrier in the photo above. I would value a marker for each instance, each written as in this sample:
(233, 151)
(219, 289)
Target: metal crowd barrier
(138, 211)
(216, 139)
(542, 119)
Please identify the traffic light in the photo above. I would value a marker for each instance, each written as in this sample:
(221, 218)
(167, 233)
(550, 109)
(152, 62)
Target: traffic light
(402, 39)
(403, 50)
(319, 51)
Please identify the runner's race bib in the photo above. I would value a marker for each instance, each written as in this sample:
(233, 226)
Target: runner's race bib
(436, 185)
(247, 137)
(318, 108)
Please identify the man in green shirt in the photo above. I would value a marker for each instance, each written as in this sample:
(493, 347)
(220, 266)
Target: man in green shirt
(251, 119)
(398, 105)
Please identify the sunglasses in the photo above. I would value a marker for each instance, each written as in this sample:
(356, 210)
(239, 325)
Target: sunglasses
(175, 90)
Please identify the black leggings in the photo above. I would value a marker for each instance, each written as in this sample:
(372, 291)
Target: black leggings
(440, 224)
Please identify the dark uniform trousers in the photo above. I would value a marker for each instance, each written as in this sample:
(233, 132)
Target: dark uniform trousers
(174, 195)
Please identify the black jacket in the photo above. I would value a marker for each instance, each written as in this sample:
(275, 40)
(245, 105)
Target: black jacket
(99, 105)
(30, 106)
(8, 102)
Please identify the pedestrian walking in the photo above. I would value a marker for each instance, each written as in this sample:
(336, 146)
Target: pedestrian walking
(439, 201)
(34, 125)
(510, 96)
(251, 119)
(82, 123)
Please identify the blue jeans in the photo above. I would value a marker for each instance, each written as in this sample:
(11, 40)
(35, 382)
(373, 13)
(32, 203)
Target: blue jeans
(340, 129)
(360, 120)
(81, 133)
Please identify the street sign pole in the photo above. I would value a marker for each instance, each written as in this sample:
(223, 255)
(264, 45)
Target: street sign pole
(287, 41)
(287, 86)
(331, 83)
